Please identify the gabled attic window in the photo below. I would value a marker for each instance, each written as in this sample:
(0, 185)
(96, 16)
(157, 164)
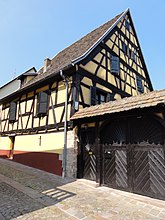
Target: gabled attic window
(42, 104)
(124, 48)
(139, 84)
(127, 25)
(129, 52)
(133, 56)
(115, 65)
(12, 112)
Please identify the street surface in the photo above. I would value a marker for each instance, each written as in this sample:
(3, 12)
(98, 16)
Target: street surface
(27, 193)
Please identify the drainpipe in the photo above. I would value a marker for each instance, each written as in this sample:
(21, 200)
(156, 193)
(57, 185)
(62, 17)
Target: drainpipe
(64, 159)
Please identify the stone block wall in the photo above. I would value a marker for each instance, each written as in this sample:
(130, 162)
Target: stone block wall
(72, 146)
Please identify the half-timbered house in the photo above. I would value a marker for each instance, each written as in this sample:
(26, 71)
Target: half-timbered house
(105, 65)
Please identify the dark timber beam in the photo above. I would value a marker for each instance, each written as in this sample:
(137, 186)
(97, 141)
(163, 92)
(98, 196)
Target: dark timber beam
(123, 62)
(102, 82)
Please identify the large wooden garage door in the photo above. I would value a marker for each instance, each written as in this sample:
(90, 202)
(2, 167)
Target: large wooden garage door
(149, 170)
(133, 156)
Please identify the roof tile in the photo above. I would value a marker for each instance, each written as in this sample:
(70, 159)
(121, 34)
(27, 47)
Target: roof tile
(129, 103)
(77, 49)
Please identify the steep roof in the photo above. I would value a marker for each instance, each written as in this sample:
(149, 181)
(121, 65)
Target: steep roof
(150, 99)
(74, 52)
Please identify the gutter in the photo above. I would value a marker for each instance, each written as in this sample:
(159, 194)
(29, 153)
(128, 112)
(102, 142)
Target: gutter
(64, 156)
(38, 82)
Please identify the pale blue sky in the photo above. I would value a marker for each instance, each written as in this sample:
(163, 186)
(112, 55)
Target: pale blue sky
(32, 30)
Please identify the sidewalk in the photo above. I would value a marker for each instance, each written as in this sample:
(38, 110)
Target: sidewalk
(28, 193)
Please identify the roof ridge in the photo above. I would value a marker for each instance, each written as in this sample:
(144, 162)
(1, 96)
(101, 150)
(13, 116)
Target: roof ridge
(92, 31)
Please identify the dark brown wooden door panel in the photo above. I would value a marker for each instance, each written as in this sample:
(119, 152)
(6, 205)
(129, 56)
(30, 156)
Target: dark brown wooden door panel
(109, 168)
(147, 173)
(141, 176)
(157, 172)
(134, 156)
(89, 162)
(115, 167)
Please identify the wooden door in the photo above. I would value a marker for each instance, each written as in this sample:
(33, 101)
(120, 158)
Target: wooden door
(134, 156)
(89, 162)
(149, 170)
(115, 168)
(87, 155)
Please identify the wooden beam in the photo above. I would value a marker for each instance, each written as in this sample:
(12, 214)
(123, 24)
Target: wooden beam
(102, 82)
(123, 62)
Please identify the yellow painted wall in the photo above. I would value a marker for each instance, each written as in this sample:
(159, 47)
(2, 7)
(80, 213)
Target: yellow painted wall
(5, 143)
(50, 142)
(30, 105)
(126, 74)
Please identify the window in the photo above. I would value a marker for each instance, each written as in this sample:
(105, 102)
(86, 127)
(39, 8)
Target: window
(133, 56)
(42, 104)
(124, 47)
(12, 112)
(139, 84)
(129, 52)
(99, 96)
(127, 26)
(115, 67)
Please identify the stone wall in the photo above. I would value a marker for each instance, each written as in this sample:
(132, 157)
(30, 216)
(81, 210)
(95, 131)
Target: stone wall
(72, 146)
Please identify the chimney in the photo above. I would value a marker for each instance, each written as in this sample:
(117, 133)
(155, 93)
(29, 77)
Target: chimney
(47, 63)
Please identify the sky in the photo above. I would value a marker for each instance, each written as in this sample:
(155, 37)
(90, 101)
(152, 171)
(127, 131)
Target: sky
(31, 30)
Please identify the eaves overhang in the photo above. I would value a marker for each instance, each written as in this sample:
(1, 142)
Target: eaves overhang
(80, 58)
(34, 85)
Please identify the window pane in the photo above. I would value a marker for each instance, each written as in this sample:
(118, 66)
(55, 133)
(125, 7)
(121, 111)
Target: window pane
(139, 84)
(102, 98)
(124, 47)
(127, 26)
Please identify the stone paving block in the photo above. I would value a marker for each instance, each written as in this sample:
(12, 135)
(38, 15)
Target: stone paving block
(154, 212)
(162, 214)
(57, 198)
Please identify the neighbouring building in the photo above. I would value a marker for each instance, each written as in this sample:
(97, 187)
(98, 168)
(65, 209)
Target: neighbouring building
(75, 94)
(11, 87)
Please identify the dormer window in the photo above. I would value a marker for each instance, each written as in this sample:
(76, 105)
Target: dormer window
(115, 65)
(27, 76)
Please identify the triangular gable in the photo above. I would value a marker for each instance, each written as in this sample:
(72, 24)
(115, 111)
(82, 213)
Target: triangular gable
(119, 41)
(79, 50)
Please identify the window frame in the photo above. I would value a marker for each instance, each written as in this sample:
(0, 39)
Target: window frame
(12, 107)
(95, 91)
(139, 84)
(115, 60)
(39, 113)
(124, 47)
(127, 25)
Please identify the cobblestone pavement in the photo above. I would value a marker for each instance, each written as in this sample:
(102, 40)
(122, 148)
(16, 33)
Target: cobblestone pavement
(27, 193)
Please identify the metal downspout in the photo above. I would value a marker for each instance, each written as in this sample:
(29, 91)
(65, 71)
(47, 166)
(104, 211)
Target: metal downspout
(64, 159)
